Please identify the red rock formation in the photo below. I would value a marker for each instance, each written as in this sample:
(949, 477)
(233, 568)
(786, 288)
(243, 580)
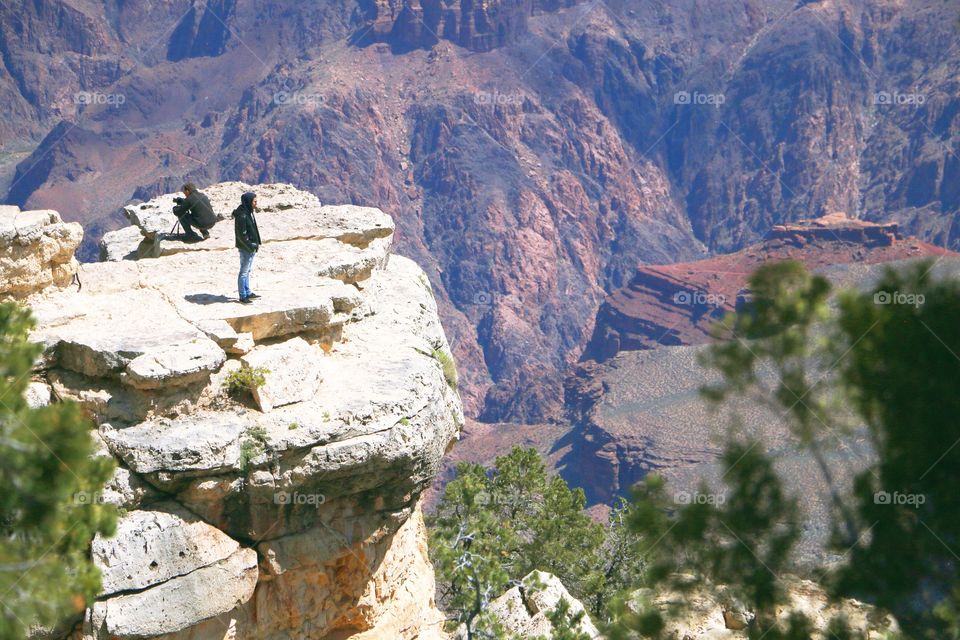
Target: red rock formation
(677, 304)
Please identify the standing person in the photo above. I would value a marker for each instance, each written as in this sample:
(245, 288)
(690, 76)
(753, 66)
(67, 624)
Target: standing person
(248, 242)
(194, 210)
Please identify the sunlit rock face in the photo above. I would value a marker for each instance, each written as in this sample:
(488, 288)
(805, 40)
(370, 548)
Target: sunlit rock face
(289, 509)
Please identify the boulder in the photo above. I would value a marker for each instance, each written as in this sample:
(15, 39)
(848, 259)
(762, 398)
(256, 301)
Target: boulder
(36, 252)
(205, 443)
(284, 214)
(175, 365)
(152, 547)
(523, 610)
(127, 490)
(38, 394)
(711, 611)
(101, 335)
(292, 372)
(180, 602)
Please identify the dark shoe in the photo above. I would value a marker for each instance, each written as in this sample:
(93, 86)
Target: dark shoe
(252, 296)
(205, 234)
(190, 238)
(246, 301)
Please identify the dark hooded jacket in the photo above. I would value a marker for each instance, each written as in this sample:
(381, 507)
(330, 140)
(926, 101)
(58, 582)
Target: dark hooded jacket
(245, 224)
(197, 204)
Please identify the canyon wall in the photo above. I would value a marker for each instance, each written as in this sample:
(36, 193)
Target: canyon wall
(534, 153)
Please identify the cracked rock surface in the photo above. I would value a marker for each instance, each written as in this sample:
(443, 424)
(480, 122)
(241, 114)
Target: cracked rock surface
(287, 507)
(36, 251)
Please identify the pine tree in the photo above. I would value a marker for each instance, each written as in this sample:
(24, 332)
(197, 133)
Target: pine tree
(48, 507)
(493, 527)
(888, 359)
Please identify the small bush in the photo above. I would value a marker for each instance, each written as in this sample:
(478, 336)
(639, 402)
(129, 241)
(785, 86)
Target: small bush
(253, 444)
(245, 379)
(426, 283)
(449, 367)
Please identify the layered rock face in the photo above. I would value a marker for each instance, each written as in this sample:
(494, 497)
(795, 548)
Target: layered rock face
(291, 510)
(530, 180)
(36, 251)
(479, 26)
(676, 304)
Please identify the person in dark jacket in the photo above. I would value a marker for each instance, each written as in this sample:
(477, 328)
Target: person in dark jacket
(248, 242)
(194, 210)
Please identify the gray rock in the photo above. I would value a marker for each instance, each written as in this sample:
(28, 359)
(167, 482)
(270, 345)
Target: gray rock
(174, 365)
(292, 372)
(181, 602)
(244, 344)
(126, 490)
(204, 443)
(152, 547)
(100, 335)
(285, 214)
(36, 252)
(524, 609)
(326, 481)
(38, 395)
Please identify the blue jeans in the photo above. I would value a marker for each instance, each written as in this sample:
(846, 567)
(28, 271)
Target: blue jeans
(243, 280)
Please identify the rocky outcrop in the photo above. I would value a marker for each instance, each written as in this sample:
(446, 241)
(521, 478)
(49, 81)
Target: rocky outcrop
(711, 613)
(289, 506)
(837, 227)
(524, 609)
(36, 251)
(677, 304)
(478, 26)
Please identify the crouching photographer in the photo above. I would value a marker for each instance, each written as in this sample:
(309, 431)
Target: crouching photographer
(194, 210)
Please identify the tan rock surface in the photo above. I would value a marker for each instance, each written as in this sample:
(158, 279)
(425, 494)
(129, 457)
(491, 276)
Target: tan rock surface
(292, 372)
(151, 547)
(711, 614)
(36, 251)
(524, 610)
(326, 483)
(179, 603)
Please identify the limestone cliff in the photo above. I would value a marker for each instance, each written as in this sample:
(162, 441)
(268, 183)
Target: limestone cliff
(36, 251)
(289, 512)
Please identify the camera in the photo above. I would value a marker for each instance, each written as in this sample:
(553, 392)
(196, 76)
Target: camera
(179, 200)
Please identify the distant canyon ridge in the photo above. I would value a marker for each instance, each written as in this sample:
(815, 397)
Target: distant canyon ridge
(533, 153)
